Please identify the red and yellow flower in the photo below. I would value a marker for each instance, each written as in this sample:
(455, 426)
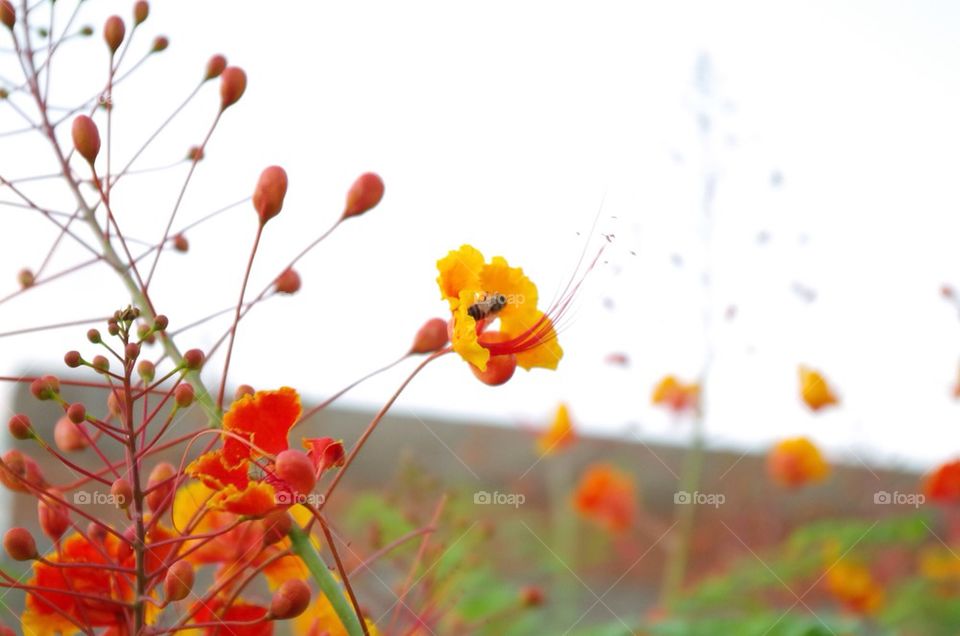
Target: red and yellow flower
(607, 496)
(481, 293)
(795, 462)
(256, 430)
(815, 390)
(676, 395)
(559, 435)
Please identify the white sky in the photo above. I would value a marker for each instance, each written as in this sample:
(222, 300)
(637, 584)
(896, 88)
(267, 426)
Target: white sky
(505, 126)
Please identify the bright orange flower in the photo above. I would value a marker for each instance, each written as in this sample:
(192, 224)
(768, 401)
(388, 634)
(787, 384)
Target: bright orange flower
(560, 434)
(855, 588)
(262, 422)
(606, 496)
(479, 293)
(814, 390)
(943, 484)
(676, 395)
(796, 462)
(41, 615)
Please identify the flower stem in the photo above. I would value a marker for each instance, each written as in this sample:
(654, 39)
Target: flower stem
(325, 579)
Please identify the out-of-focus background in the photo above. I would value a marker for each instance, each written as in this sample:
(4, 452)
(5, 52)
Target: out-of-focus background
(772, 186)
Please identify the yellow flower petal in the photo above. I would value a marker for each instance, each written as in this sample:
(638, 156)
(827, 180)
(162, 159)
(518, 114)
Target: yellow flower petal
(521, 293)
(459, 271)
(464, 338)
(547, 353)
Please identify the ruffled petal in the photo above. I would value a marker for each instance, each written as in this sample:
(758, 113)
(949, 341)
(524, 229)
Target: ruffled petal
(459, 271)
(265, 418)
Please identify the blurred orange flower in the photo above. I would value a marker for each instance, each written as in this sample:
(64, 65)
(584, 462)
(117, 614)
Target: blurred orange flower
(814, 390)
(943, 484)
(321, 620)
(676, 395)
(606, 496)
(795, 462)
(559, 435)
(939, 563)
(854, 586)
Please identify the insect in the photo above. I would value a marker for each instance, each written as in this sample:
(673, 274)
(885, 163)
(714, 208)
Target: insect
(487, 305)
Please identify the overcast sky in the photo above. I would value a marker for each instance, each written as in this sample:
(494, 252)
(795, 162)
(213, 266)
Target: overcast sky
(833, 137)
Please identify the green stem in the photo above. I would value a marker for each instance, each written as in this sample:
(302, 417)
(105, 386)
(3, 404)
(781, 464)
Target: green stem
(325, 579)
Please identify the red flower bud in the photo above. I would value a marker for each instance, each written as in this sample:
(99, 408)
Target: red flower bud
(431, 337)
(125, 547)
(195, 153)
(295, 468)
(8, 15)
(93, 336)
(159, 496)
(77, 412)
(20, 426)
(531, 596)
(100, 363)
(45, 388)
(180, 243)
(160, 43)
(73, 359)
(132, 350)
(26, 278)
(242, 390)
(215, 66)
(499, 370)
(178, 582)
(288, 282)
(113, 32)
(290, 600)
(233, 81)
(18, 470)
(324, 452)
(147, 371)
(183, 395)
(68, 436)
(276, 525)
(141, 10)
(364, 194)
(86, 138)
(97, 532)
(193, 359)
(54, 516)
(269, 193)
(122, 493)
(160, 323)
(116, 403)
(19, 544)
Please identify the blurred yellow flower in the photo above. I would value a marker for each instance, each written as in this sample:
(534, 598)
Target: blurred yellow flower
(814, 390)
(795, 462)
(320, 619)
(939, 564)
(854, 587)
(676, 395)
(559, 435)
